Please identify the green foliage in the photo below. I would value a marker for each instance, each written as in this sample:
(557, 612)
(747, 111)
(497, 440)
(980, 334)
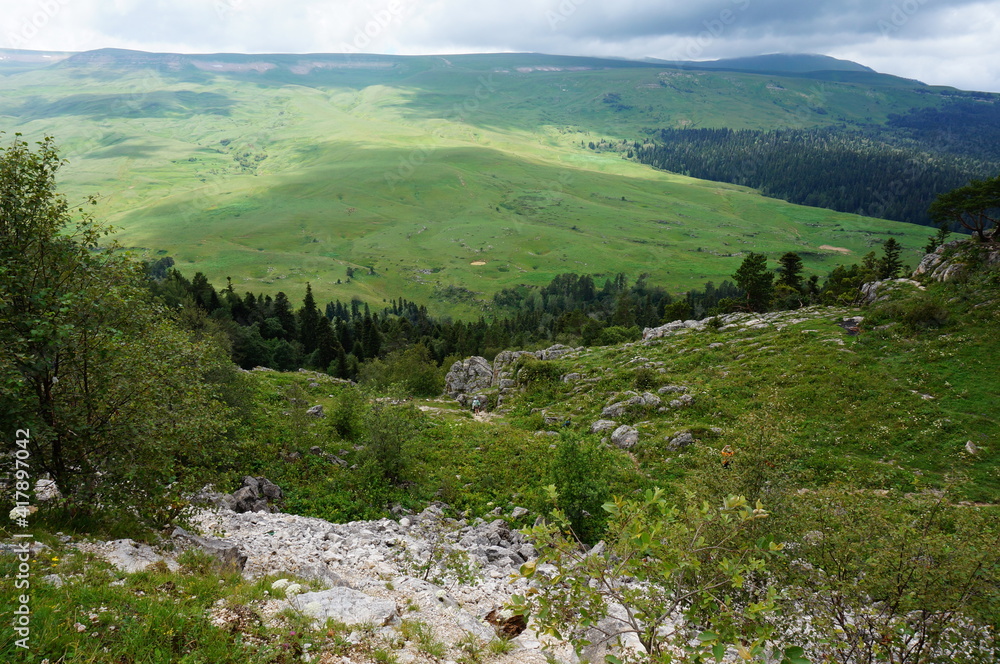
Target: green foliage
(412, 370)
(973, 207)
(580, 471)
(346, 415)
(896, 578)
(614, 335)
(890, 264)
(113, 393)
(915, 312)
(536, 373)
(755, 279)
(389, 430)
(661, 563)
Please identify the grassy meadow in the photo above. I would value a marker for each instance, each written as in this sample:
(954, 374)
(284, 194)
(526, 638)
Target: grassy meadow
(439, 179)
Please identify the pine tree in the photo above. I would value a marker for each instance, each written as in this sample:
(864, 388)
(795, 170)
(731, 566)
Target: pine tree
(309, 317)
(790, 271)
(756, 281)
(890, 264)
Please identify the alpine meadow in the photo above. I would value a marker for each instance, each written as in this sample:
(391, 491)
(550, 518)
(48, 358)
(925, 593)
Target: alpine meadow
(496, 358)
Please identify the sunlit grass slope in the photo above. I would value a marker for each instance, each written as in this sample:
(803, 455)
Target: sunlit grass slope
(435, 176)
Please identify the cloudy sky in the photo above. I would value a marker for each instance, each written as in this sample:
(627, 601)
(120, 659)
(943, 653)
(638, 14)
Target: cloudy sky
(945, 42)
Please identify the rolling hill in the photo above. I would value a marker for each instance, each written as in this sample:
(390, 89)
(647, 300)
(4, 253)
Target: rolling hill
(439, 174)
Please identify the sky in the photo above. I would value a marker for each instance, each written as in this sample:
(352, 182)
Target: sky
(940, 42)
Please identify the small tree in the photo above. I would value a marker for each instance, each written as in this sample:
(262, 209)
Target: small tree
(756, 281)
(672, 577)
(889, 265)
(790, 271)
(113, 392)
(975, 207)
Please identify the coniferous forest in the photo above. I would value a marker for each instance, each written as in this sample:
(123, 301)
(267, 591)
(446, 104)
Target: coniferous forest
(892, 171)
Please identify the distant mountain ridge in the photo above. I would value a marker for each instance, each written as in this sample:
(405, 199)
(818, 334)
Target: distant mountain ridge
(787, 63)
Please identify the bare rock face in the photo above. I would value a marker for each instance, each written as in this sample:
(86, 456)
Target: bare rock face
(953, 260)
(877, 291)
(467, 377)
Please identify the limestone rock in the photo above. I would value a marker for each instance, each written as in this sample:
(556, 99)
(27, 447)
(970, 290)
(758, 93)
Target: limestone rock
(625, 437)
(315, 411)
(603, 425)
(227, 553)
(345, 605)
(680, 441)
(877, 291)
(468, 376)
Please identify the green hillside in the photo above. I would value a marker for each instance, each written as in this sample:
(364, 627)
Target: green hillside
(278, 170)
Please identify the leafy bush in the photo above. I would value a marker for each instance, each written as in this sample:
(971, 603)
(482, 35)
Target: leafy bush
(617, 334)
(412, 369)
(580, 473)
(535, 372)
(645, 378)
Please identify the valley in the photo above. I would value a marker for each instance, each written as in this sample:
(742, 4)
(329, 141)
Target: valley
(430, 174)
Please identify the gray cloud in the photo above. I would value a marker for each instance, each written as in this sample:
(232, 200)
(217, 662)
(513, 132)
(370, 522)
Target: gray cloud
(952, 42)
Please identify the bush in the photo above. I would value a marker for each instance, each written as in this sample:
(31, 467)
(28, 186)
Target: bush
(532, 371)
(644, 378)
(413, 369)
(579, 471)
(616, 334)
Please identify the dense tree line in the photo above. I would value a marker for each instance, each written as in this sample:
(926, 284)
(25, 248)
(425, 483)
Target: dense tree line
(349, 340)
(876, 172)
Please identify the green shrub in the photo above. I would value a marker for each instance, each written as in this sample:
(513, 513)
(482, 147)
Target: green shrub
(532, 371)
(644, 378)
(580, 472)
(617, 334)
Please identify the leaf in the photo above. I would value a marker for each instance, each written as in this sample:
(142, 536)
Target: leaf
(611, 659)
(744, 654)
(708, 636)
(528, 569)
(719, 650)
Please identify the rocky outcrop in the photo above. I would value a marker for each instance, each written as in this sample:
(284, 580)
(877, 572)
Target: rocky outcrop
(954, 260)
(879, 291)
(471, 377)
(347, 606)
(468, 378)
(749, 321)
(624, 437)
(227, 554)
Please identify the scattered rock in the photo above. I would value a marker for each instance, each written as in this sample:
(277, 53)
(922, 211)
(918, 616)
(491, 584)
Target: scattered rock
(681, 440)
(971, 448)
(256, 494)
(625, 437)
(315, 411)
(603, 425)
(877, 291)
